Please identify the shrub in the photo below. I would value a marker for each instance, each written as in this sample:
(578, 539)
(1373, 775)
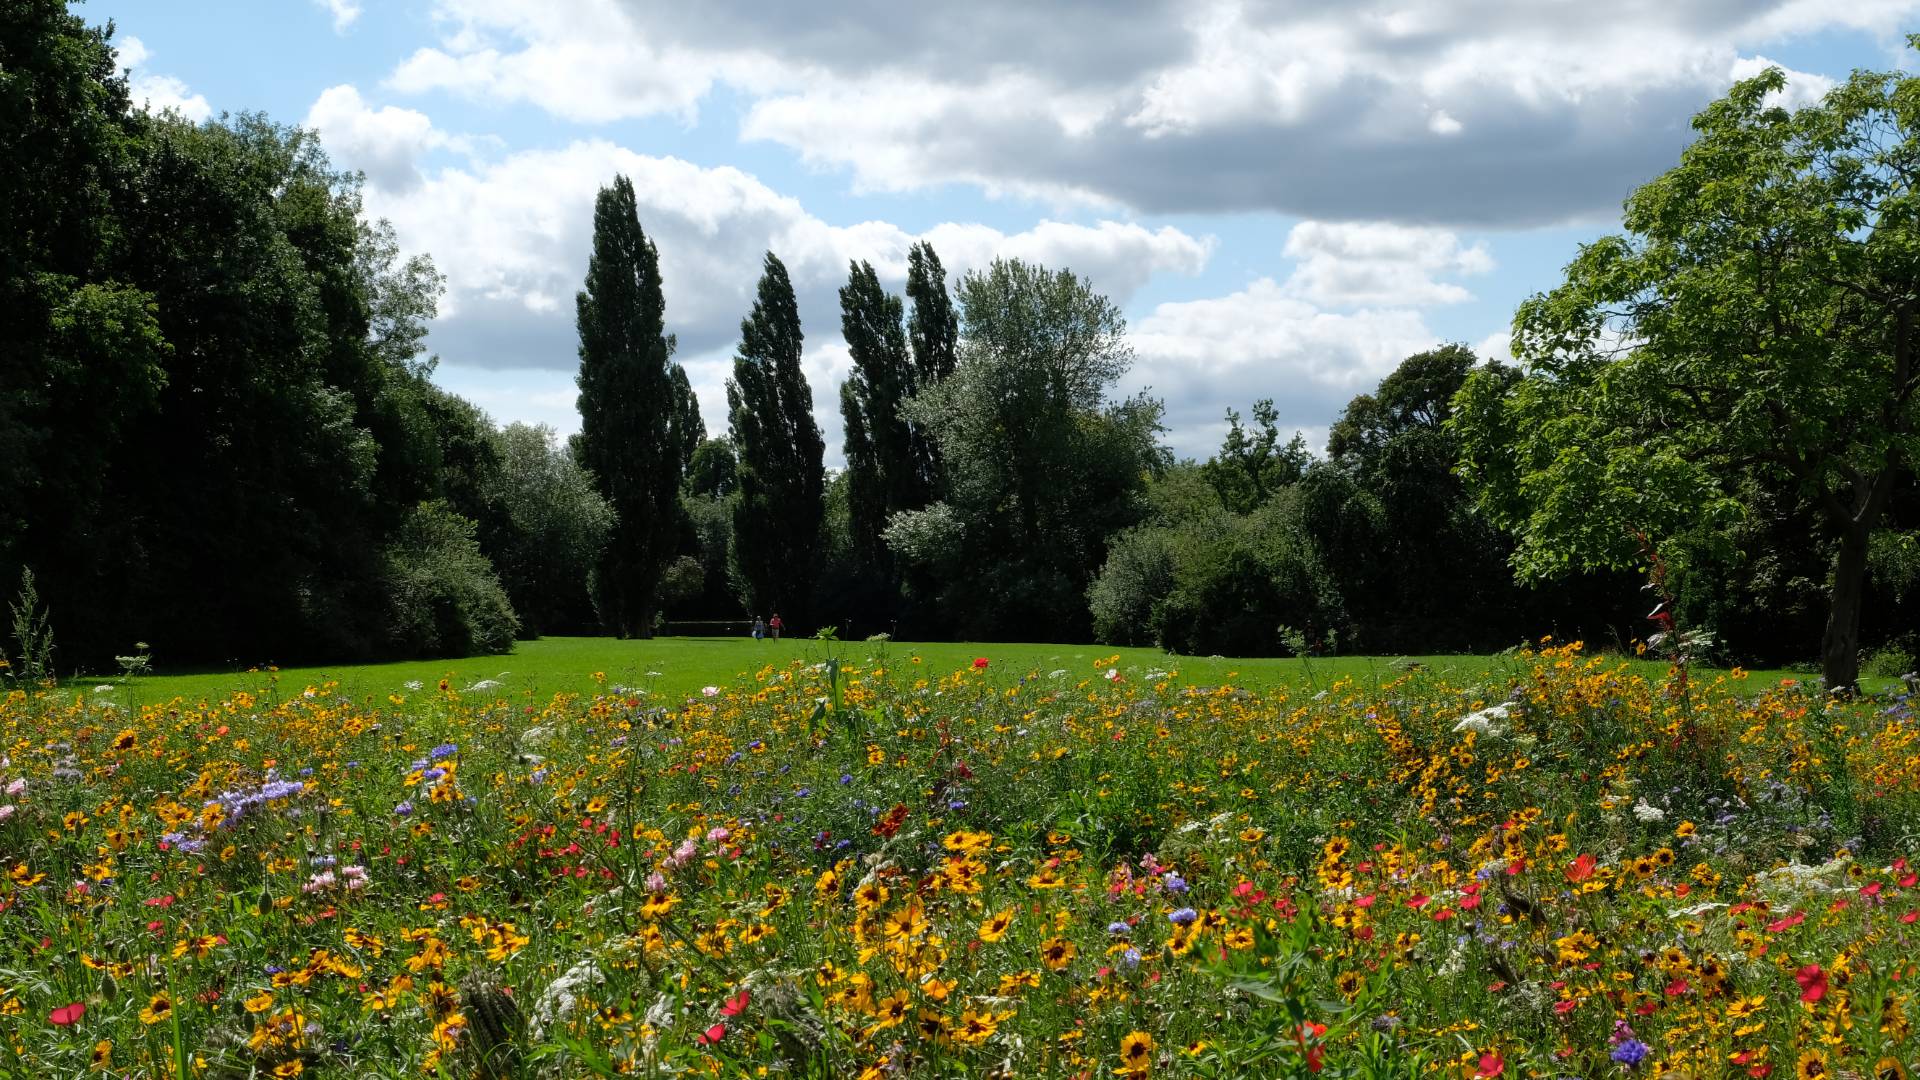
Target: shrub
(1893, 659)
(446, 599)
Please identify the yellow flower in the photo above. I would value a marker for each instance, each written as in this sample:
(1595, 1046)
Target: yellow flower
(889, 1011)
(1057, 953)
(159, 1008)
(996, 927)
(1136, 1054)
(259, 1002)
(975, 1027)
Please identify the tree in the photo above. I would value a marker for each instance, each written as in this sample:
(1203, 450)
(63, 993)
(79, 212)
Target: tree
(1250, 468)
(686, 430)
(1755, 323)
(776, 523)
(1041, 467)
(933, 335)
(555, 527)
(635, 436)
(883, 475)
(714, 470)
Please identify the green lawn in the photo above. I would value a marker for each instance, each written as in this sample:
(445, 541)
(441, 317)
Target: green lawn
(675, 668)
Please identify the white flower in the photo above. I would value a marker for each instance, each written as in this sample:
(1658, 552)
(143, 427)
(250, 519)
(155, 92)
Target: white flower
(17, 788)
(557, 1001)
(1488, 723)
(1648, 812)
(709, 691)
(103, 688)
(6, 811)
(1113, 674)
(484, 684)
(413, 684)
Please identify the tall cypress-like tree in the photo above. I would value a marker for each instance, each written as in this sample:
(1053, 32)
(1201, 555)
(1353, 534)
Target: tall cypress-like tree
(776, 523)
(688, 431)
(627, 411)
(934, 334)
(883, 472)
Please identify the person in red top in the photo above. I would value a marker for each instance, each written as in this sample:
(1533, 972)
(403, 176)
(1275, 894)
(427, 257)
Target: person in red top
(774, 624)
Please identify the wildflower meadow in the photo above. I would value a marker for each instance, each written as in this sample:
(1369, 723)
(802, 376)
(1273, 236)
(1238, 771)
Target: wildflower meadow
(863, 868)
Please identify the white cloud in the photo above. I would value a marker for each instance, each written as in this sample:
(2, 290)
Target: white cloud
(1494, 111)
(1803, 88)
(1347, 315)
(344, 12)
(1206, 356)
(386, 143)
(157, 93)
(1364, 264)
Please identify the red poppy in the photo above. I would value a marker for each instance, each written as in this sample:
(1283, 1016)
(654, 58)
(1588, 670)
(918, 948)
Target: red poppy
(1582, 868)
(735, 1005)
(1813, 983)
(66, 1015)
(1491, 1065)
(979, 662)
(712, 1035)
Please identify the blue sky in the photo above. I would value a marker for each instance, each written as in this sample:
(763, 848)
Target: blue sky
(1285, 197)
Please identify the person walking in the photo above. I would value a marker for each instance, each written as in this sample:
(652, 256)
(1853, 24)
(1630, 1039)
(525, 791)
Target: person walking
(774, 625)
(759, 628)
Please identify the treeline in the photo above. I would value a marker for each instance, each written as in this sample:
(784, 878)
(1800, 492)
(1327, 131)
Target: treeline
(218, 432)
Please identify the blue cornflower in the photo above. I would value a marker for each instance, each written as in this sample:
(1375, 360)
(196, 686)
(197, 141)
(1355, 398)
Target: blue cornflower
(1631, 1052)
(1182, 916)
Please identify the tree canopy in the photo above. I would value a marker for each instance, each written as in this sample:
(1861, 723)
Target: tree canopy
(1753, 326)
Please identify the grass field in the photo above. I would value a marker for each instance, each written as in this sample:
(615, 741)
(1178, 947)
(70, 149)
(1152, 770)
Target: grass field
(673, 669)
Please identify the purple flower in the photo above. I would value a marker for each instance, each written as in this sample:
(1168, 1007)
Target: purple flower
(1174, 883)
(1631, 1052)
(1119, 929)
(404, 809)
(445, 749)
(1182, 916)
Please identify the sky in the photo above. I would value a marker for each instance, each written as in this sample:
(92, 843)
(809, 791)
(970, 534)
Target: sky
(1285, 198)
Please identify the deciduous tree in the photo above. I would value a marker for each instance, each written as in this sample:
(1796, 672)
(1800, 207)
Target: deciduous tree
(776, 522)
(1757, 321)
(634, 434)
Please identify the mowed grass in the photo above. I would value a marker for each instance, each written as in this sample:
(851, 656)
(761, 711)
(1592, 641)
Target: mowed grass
(672, 669)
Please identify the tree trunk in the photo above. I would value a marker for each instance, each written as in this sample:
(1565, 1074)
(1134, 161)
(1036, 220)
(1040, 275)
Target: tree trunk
(1840, 647)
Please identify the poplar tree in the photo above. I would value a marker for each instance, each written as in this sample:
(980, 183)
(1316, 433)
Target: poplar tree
(883, 474)
(628, 408)
(933, 333)
(777, 520)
